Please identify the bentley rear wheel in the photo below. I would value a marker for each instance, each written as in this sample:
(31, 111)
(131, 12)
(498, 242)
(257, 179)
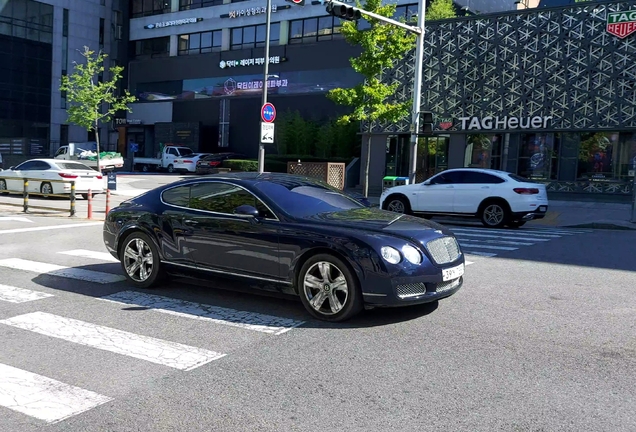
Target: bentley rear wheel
(140, 261)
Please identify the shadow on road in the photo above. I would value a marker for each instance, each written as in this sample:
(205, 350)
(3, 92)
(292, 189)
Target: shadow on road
(229, 293)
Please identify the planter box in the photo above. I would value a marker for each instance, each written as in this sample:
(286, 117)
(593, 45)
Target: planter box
(331, 173)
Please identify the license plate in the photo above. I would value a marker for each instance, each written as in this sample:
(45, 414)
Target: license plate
(542, 208)
(452, 273)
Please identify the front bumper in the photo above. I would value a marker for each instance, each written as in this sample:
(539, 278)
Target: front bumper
(408, 289)
(538, 213)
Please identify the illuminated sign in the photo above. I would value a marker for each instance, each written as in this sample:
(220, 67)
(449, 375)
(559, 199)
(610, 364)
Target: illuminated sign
(173, 23)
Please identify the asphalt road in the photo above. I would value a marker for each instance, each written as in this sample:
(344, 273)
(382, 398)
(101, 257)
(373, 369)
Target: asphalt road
(540, 338)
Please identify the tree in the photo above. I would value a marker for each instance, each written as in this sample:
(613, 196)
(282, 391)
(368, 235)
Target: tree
(382, 46)
(441, 9)
(90, 99)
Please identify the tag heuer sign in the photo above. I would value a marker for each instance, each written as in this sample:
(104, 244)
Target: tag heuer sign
(173, 23)
(446, 123)
(621, 24)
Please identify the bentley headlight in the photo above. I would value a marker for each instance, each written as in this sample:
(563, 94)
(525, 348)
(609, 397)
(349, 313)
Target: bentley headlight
(391, 255)
(412, 254)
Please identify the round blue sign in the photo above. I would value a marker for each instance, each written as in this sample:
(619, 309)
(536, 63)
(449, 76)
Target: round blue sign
(268, 113)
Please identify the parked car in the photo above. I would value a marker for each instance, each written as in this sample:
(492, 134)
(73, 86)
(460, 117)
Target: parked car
(1, 163)
(165, 158)
(41, 170)
(188, 163)
(296, 233)
(207, 164)
(497, 198)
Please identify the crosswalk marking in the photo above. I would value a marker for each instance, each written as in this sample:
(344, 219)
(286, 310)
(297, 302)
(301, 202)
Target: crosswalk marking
(231, 317)
(474, 241)
(62, 271)
(83, 253)
(13, 294)
(462, 234)
(171, 354)
(42, 397)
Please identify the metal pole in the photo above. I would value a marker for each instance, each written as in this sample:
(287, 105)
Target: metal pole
(634, 196)
(268, 19)
(417, 88)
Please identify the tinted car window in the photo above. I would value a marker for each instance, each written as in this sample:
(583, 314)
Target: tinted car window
(302, 199)
(453, 177)
(481, 178)
(73, 166)
(520, 179)
(29, 165)
(178, 196)
(184, 151)
(224, 198)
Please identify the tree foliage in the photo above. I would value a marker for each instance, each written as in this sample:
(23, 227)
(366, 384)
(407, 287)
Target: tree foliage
(441, 9)
(382, 46)
(91, 100)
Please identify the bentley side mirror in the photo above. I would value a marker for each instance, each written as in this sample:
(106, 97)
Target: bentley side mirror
(11, 168)
(427, 183)
(246, 210)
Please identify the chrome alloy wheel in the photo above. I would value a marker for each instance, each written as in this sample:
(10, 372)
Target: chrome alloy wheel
(47, 189)
(396, 206)
(325, 287)
(494, 214)
(138, 260)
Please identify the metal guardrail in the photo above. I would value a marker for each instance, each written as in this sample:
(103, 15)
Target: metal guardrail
(26, 193)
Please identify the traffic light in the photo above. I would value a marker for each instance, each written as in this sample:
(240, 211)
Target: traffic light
(426, 123)
(349, 13)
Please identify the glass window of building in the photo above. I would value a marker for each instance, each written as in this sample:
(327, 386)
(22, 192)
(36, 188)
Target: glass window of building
(152, 48)
(196, 4)
(607, 156)
(253, 36)
(140, 8)
(200, 43)
(483, 151)
(310, 30)
(538, 156)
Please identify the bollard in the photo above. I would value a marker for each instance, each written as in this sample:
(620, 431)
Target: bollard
(107, 202)
(72, 198)
(25, 195)
(90, 204)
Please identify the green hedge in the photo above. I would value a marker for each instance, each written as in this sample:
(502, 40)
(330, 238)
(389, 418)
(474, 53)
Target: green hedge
(241, 165)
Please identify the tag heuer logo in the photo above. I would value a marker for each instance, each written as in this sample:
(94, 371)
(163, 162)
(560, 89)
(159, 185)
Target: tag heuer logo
(446, 123)
(621, 24)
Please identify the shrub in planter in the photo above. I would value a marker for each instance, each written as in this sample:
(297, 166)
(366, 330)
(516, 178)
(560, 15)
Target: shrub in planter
(241, 165)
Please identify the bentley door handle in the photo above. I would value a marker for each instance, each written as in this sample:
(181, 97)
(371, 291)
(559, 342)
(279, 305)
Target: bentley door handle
(190, 222)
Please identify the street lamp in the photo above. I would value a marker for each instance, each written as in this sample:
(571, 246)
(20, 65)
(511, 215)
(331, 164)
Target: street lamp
(268, 19)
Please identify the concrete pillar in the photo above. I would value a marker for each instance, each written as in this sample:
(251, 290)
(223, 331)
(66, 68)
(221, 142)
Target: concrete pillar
(225, 39)
(284, 33)
(174, 45)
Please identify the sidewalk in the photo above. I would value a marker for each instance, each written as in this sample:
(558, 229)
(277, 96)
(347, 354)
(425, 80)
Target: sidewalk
(577, 214)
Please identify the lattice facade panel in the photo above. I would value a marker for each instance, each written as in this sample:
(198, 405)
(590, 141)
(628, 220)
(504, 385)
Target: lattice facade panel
(558, 62)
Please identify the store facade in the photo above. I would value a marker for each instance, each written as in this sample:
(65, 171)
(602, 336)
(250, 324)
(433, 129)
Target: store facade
(549, 94)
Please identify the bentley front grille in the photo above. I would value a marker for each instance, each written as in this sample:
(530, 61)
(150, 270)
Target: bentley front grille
(443, 250)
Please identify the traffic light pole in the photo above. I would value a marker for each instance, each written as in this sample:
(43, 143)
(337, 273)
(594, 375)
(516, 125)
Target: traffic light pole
(417, 79)
(268, 21)
(417, 89)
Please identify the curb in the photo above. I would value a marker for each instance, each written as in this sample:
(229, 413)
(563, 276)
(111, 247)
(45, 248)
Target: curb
(603, 225)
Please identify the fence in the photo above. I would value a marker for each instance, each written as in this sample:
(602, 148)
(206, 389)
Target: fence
(26, 193)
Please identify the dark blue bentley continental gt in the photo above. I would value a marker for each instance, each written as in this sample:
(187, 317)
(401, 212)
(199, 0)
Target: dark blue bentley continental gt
(296, 233)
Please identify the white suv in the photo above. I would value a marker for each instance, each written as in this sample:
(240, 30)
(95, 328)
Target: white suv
(498, 198)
